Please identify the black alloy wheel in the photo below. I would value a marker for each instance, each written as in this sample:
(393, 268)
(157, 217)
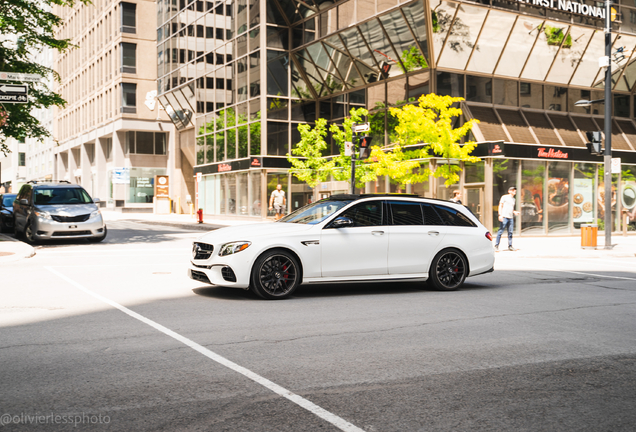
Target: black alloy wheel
(28, 233)
(448, 270)
(275, 275)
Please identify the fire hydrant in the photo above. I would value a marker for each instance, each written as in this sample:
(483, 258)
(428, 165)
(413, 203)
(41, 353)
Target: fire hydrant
(200, 215)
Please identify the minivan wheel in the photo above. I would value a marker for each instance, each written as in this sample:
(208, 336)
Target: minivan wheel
(28, 234)
(448, 270)
(275, 275)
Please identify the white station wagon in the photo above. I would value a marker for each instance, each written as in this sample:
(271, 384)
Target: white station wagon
(348, 238)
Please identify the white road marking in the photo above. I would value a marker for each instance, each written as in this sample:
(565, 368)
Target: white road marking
(103, 250)
(339, 422)
(596, 275)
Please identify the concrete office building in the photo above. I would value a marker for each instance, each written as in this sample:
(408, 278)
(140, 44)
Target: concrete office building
(237, 77)
(113, 138)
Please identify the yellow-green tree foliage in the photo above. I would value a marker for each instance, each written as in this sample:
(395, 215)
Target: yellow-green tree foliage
(425, 131)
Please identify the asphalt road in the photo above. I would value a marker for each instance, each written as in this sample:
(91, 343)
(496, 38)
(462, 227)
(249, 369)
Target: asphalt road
(114, 336)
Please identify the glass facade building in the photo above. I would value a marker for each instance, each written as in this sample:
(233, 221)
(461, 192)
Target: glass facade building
(236, 77)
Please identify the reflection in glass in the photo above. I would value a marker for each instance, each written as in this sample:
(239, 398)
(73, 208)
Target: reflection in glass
(588, 68)
(462, 37)
(531, 95)
(556, 98)
(414, 14)
(491, 41)
(478, 89)
(442, 14)
(570, 55)
(628, 194)
(531, 196)
(558, 195)
(277, 139)
(411, 58)
(382, 50)
(450, 84)
(552, 35)
(474, 172)
(506, 92)
(504, 176)
(518, 47)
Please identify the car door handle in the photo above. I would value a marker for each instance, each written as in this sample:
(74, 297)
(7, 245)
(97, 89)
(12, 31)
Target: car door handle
(433, 233)
(376, 233)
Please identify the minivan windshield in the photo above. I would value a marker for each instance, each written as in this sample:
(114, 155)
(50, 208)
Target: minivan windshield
(7, 200)
(315, 213)
(51, 196)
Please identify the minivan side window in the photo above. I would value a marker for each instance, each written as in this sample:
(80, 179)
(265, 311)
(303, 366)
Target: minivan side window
(365, 214)
(406, 213)
(454, 217)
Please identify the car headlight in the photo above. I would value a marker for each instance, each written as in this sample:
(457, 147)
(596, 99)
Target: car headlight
(42, 214)
(95, 214)
(235, 247)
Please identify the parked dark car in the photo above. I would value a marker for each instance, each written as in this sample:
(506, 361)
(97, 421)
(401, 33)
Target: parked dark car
(6, 212)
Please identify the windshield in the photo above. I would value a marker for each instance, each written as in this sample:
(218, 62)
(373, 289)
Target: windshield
(61, 196)
(7, 200)
(315, 213)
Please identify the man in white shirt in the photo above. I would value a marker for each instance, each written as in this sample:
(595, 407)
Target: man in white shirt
(507, 212)
(277, 201)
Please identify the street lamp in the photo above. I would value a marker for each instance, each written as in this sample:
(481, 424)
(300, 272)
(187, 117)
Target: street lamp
(604, 62)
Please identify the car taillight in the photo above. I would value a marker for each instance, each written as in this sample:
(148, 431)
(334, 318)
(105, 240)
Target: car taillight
(488, 235)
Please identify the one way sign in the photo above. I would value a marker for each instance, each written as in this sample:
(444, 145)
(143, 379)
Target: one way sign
(14, 93)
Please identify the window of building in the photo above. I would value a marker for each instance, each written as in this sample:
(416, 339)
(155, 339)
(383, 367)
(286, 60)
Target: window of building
(128, 18)
(138, 142)
(128, 57)
(129, 98)
(21, 159)
(108, 148)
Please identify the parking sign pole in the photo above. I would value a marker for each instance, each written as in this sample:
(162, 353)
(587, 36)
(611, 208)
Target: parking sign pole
(608, 128)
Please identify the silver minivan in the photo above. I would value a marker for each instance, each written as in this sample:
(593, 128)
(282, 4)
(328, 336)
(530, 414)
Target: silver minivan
(60, 210)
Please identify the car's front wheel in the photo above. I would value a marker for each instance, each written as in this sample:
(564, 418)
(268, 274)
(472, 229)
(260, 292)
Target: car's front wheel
(29, 234)
(448, 270)
(275, 275)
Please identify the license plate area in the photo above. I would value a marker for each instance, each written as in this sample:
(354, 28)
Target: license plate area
(72, 226)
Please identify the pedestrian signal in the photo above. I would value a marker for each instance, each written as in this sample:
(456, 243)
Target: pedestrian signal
(596, 139)
(365, 147)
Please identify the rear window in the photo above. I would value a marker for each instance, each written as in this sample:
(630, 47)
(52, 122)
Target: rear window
(454, 217)
(51, 196)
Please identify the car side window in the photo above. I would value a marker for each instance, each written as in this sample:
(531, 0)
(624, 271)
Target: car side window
(406, 213)
(454, 217)
(431, 217)
(365, 214)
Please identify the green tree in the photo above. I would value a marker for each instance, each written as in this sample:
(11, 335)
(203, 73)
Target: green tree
(425, 131)
(313, 168)
(27, 27)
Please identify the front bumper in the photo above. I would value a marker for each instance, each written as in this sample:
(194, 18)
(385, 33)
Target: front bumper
(48, 229)
(217, 274)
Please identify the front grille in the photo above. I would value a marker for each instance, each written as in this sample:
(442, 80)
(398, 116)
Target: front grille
(65, 219)
(202, 251)
(70, 233)
(200, 276)
(228, 274)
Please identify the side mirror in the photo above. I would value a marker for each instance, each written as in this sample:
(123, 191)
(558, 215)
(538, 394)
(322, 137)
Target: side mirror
(96, 200)
(341, 222)
(24, 201)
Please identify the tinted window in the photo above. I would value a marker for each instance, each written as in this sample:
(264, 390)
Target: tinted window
(406, 213)
(61, 196)
(430, 215)
(314, 213)
(7, 200)
(365, 214)
(454, 217)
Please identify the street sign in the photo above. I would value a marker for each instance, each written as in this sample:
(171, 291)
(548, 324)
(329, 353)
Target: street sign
(199, 177)
(360, 127)
(348, 148)
(616, 165)
(14, 93)
(11, 76)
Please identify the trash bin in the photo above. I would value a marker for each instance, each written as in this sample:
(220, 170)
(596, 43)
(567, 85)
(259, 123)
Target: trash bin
(589, 233)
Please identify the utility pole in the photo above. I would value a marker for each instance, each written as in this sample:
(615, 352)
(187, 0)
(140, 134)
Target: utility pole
(608, 127)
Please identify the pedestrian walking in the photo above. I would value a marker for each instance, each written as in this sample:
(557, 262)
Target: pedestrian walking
(457, 197)
(507, 213)
(277, 201)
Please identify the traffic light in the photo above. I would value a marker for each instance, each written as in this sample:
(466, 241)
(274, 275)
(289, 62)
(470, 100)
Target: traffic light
(365, 147)
(594, 146)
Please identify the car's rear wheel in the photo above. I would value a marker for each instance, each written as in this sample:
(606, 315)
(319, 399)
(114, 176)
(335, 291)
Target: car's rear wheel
(100, 238)
(448, 270)
(275, 275)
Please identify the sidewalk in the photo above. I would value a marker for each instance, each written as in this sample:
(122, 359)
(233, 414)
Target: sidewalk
(184, 221)
(14, 250)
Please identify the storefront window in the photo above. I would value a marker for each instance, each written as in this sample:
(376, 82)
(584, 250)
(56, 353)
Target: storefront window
(531, 197)
(444, 192)
(600, 194)
(628, 195)
(142, 184)
(255, 193)
(474, 172)
(558, 195)
(242, 207)
(422, 189)
(504, 176)
(583, 194)
(300, 195)
(274, 179)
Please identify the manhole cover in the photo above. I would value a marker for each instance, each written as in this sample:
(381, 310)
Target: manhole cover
(6, 253)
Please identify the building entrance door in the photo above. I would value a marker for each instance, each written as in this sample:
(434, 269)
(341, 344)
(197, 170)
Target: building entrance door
(475, 201)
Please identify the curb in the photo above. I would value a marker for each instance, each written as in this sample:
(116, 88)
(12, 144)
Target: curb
(13, 250)
(191, 226)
